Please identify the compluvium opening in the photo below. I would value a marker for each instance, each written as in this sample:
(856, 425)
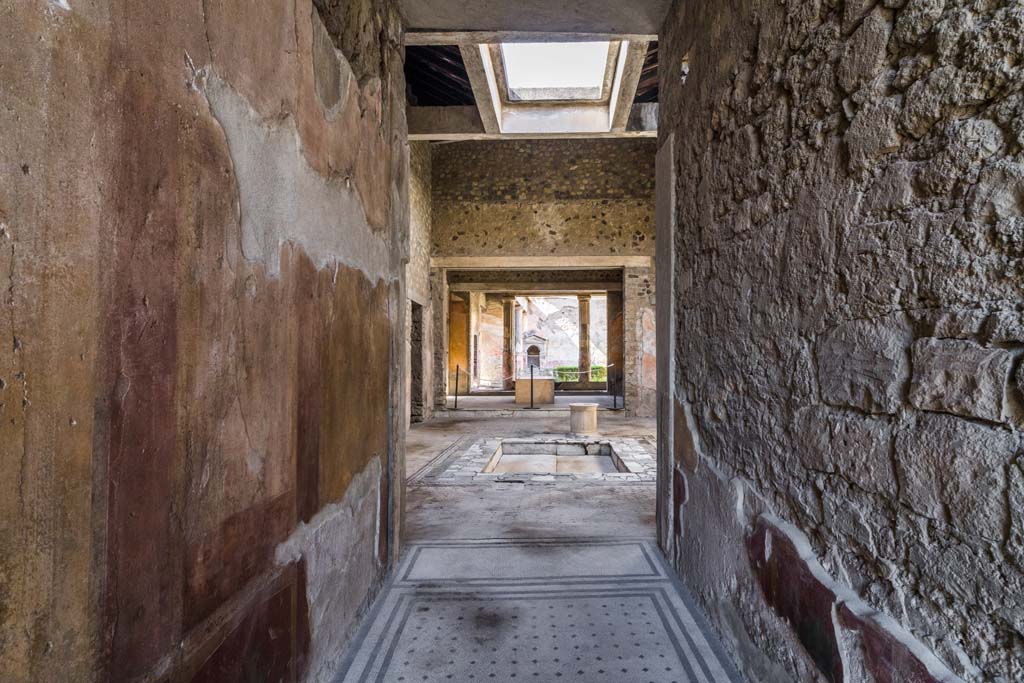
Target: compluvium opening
(539, 72)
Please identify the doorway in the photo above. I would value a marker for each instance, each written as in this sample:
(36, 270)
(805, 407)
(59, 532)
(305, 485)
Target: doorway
(416, 384)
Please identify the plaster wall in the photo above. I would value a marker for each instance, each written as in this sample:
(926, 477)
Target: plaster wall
(421, 217)
(640, 360)
(459, 343)
(849, 253)
(490, 340)
(557, 320)
(203, 222)
(418, 269)
(439, 323)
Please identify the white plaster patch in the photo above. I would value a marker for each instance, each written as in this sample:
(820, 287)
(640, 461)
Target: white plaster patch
(60, 4)
(965, 661)
(740, 496)
(284, 200)
(339, 547)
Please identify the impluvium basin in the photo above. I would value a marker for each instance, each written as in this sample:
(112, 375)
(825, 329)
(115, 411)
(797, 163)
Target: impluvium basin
(562, 456)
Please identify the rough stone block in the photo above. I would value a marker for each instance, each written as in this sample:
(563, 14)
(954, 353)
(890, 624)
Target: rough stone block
(972, 141)
(894, 190)
(926, 100)
(960, 323)
(863, 526)
(954, 471)
(865, 52)
(950, 269)
(874, 263)
(873, 134)
(949, 561)
(543, 392)
(960, 377)
(999, 193)
(854, 448)
(863, 364)
(854, 11)
(917, 19)
(1004, 326)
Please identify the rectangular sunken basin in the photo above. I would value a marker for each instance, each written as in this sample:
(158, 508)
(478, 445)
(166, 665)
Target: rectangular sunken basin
(562, 456)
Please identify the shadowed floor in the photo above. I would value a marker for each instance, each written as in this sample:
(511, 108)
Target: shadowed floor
(531, 581)
(558, 609)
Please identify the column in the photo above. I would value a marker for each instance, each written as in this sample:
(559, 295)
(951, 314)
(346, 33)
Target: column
(517, 330)
(508, 356)
(584, 362)
(616, 343)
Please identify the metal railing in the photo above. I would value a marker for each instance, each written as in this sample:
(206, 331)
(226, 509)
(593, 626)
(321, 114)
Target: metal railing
(459, 372)
(547, 375)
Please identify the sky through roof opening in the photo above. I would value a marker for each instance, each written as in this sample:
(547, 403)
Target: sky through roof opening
(555, 71)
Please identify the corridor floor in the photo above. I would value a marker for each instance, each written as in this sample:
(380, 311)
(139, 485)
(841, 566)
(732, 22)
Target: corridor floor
(531, 582)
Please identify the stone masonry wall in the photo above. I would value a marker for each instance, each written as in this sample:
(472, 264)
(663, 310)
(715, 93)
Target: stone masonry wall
(640, 369)
(203, 222)
(849, 473)
(555, 198)
(421, 220)
(418, 269)
(544, 197)
(439, 298)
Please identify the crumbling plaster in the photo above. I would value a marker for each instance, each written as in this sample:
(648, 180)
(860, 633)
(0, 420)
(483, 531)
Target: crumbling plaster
(418, 269)
(338, 550)
(641, 375)
(205, 225)
(421, 222)
(282, 199)
(848, 278)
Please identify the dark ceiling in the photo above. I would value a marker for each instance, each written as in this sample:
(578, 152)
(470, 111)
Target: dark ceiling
(647, 89)
(436, 77)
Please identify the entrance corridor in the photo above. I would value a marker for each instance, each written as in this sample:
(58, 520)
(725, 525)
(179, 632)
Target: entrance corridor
(518, 578)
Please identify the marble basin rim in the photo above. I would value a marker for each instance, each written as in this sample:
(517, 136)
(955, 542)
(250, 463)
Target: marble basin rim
(554, 456)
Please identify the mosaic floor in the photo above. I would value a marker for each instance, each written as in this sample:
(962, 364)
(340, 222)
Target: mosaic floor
(553, 610)
(465, 462)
